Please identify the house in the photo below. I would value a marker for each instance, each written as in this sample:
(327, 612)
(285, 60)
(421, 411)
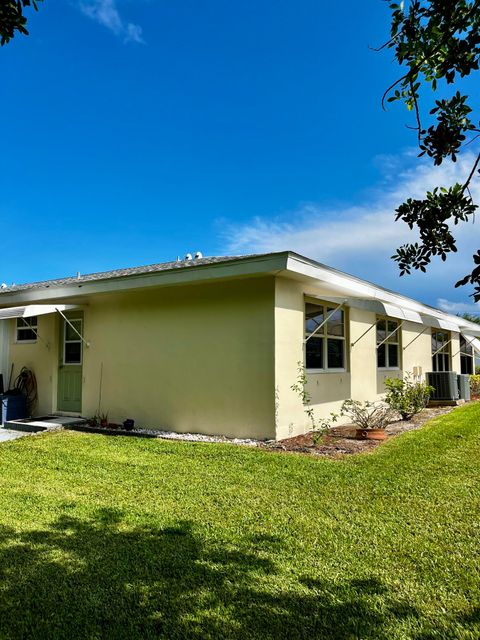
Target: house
(214, 345)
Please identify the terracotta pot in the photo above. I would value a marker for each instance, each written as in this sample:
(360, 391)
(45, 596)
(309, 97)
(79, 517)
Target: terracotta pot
(371, 434)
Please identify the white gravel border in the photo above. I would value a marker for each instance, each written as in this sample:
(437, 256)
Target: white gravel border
(197, 437)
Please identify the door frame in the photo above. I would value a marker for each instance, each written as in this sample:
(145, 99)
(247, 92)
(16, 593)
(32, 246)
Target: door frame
(75, 314)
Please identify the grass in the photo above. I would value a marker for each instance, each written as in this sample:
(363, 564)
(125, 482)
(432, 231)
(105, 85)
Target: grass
(130, 538)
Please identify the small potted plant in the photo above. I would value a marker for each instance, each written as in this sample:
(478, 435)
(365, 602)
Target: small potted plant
(370, 418)
(104, 420)
(128, 424)
(93, 421)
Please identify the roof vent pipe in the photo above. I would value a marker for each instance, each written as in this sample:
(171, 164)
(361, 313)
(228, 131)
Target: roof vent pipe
(188, 256)
(198, 255)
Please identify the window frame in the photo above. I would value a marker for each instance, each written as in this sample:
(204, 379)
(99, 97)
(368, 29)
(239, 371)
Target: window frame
(465, 354)
(328, 307)
(447, 344)
(77, 340)
(26, 324)
(397, 342)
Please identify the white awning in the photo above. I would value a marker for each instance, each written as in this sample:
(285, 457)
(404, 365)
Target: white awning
(439, 323)
(473, 342)
(402, 313)
(381, 308)
(33, 310)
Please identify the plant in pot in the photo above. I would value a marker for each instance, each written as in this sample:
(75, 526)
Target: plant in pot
(128, 424)
(93, 421)
(104, 419)
(370, 418)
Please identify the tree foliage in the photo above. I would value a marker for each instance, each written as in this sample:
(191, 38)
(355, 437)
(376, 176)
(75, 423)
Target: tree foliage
(12, 18)
(437, 42)
(470, 317)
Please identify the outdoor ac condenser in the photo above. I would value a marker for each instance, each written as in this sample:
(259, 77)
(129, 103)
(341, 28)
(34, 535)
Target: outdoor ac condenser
(445, 384)
(464, 386)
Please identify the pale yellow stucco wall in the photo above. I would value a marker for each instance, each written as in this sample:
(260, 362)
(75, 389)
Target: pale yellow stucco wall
(361, 381)
(193, 358)
(197, 358)
(41, 357)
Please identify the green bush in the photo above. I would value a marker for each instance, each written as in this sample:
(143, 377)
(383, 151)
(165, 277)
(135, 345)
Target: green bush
(475, 384)
(406, 396)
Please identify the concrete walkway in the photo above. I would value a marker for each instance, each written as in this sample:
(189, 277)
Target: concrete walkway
(30, 426)
(10, 434)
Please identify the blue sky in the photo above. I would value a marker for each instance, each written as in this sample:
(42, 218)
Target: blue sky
(141, 130)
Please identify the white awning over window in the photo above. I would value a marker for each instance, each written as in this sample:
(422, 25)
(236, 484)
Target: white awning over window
(439, 323)
(33, 310)
(473, 342)
(381, 308)
(401, 313)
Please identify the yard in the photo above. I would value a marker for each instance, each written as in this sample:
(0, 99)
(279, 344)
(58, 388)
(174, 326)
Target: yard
(105, 537)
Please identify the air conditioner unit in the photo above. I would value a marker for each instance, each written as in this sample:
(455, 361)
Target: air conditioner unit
(445, 384)
(464, 386)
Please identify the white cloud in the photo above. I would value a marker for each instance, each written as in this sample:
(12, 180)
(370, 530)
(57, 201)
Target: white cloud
(105, 12)
(458, 307)
(361, 239)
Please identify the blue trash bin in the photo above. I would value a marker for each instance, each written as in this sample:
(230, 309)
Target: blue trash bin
(14, 407)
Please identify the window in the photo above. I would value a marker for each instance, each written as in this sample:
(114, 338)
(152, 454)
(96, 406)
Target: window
(440, 350)
(72, 350)
(466, 356)
(326, 349)
(27, 329)
(388, 344)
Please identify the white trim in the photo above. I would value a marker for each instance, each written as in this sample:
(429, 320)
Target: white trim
(326, 370)
(360, 290)
(288, 264)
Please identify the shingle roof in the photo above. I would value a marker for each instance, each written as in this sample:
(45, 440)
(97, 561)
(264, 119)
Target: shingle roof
(120, 273)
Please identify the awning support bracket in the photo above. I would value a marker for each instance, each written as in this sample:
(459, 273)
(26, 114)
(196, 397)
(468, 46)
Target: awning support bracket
(440, 348)
(372, 326)
(467, 344)
(35, 331)
(87, 344)
(322, 324)
(390, 334)
(417, 336)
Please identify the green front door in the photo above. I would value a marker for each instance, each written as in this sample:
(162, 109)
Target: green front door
(70, 364)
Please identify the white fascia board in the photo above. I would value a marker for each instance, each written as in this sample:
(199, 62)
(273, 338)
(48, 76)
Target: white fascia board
(352, 287)
(270, 264)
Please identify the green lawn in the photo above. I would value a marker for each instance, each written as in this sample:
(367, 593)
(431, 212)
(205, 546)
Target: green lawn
(109, 537)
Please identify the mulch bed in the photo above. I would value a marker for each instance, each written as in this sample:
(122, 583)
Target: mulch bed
(340, 441)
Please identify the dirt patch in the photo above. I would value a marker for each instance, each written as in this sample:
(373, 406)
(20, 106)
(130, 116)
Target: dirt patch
(340, 441)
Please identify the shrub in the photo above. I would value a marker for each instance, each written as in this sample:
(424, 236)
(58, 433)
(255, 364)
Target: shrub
(367, 415)
(406, 396)
(475, 385)
(319, 426)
